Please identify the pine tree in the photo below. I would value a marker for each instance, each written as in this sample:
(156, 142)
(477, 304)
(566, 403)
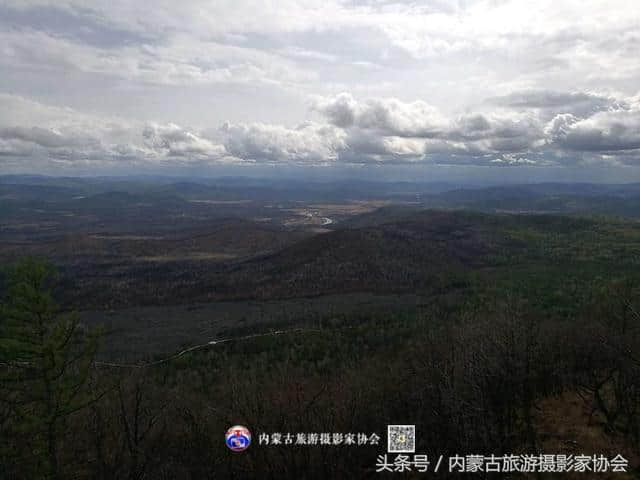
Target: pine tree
(46, 359)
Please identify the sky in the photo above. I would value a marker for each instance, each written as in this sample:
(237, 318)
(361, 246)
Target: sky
(463, 89)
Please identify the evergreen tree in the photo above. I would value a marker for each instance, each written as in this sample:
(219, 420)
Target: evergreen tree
(46, 359)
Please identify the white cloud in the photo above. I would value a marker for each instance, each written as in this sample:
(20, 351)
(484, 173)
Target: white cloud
(388, 116)
(308, 143)
(77, 137)
(374, 130)
(393, 127)
(174, 141)
(181, 61)
(608, 131)
(442, 81)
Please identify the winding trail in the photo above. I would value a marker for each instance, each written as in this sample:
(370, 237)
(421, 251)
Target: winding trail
(209, 344)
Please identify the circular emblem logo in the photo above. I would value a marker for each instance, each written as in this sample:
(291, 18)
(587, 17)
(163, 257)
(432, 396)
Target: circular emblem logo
(238, 438)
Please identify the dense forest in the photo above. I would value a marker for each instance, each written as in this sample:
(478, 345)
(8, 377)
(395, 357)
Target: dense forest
(490, 373)
(129, 344)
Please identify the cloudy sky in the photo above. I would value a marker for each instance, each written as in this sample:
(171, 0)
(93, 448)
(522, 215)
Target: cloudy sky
(510, 87)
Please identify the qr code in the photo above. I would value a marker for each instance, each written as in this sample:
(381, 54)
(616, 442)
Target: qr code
(401, 438)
